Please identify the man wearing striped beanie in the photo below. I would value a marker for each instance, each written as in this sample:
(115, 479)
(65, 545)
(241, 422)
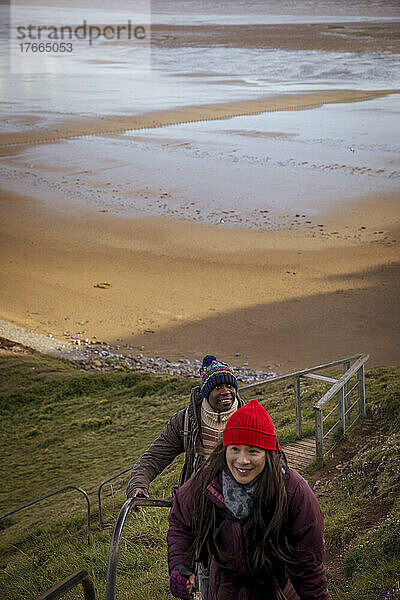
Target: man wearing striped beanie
(195, 430)
(219, 389)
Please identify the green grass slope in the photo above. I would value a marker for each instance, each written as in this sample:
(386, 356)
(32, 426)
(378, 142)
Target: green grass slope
(60, 426)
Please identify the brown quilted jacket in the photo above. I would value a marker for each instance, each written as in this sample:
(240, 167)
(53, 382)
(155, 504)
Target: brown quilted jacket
(170, 444)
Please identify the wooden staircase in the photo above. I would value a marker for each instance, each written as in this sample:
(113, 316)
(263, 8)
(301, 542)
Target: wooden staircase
(300, 454)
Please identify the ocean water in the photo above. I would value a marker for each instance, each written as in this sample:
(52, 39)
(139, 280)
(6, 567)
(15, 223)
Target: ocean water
(119, 78)
(245, 171)
(184, 12)
(285, 8)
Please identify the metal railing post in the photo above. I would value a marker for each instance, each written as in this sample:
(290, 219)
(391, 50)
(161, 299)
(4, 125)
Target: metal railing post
(341, 410)
(346, 367)
(338, 390)
(116, 538)
(114, 549)
(361, 391)
(298, 406)
(319, 438)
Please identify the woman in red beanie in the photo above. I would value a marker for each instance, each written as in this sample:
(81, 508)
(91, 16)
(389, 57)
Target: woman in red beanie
(257, 525)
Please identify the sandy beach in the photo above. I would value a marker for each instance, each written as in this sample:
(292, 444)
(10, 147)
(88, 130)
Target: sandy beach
(183, 230)
(279, 299)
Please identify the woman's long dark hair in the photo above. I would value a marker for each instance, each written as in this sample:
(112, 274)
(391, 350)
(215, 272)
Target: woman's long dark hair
(270, 554)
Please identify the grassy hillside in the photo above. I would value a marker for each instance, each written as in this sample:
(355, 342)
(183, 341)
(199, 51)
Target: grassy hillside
(61, 426)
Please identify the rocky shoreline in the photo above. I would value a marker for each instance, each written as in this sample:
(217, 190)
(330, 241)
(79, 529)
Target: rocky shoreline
(106, 358)
(103, 357)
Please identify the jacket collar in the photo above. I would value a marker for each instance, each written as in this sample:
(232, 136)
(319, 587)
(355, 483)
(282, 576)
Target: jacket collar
(214, 492)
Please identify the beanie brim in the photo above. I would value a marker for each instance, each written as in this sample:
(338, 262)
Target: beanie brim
(217, 378)
(249, 437)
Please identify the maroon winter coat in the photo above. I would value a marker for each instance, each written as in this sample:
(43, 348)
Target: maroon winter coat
(305, 531)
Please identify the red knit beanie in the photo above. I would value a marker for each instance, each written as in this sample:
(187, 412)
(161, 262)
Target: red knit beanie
(250, 425)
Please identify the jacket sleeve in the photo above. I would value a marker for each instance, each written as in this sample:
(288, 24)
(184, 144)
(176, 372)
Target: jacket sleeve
(180, 534)
(306, 525)
(160, 454)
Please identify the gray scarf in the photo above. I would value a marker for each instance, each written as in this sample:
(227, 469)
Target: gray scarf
(238, 497)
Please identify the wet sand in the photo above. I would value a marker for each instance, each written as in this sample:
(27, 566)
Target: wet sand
(348, 37)
(275, 299)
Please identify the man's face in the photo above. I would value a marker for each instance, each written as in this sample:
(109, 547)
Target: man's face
(222, 397)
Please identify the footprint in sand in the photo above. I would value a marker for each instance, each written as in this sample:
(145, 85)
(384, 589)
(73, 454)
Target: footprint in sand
(102, 286)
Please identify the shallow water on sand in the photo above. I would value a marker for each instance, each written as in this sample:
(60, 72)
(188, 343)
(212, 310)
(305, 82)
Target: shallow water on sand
(246, 171)
(102, 81)
(260, 171)
(223, 75)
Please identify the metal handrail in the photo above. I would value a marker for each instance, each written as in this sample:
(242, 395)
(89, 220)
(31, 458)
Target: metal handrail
(342, 391)
(101, 487)
(66, 487)
(301, 372)
(340, 387)
(309, 372)
(116, 538)
(69, 584)
(340, 382)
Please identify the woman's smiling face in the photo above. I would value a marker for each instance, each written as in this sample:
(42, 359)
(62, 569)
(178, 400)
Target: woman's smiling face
(245, 462)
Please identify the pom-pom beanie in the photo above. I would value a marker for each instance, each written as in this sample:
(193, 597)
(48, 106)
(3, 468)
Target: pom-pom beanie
(213, 373)
(250, 425)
